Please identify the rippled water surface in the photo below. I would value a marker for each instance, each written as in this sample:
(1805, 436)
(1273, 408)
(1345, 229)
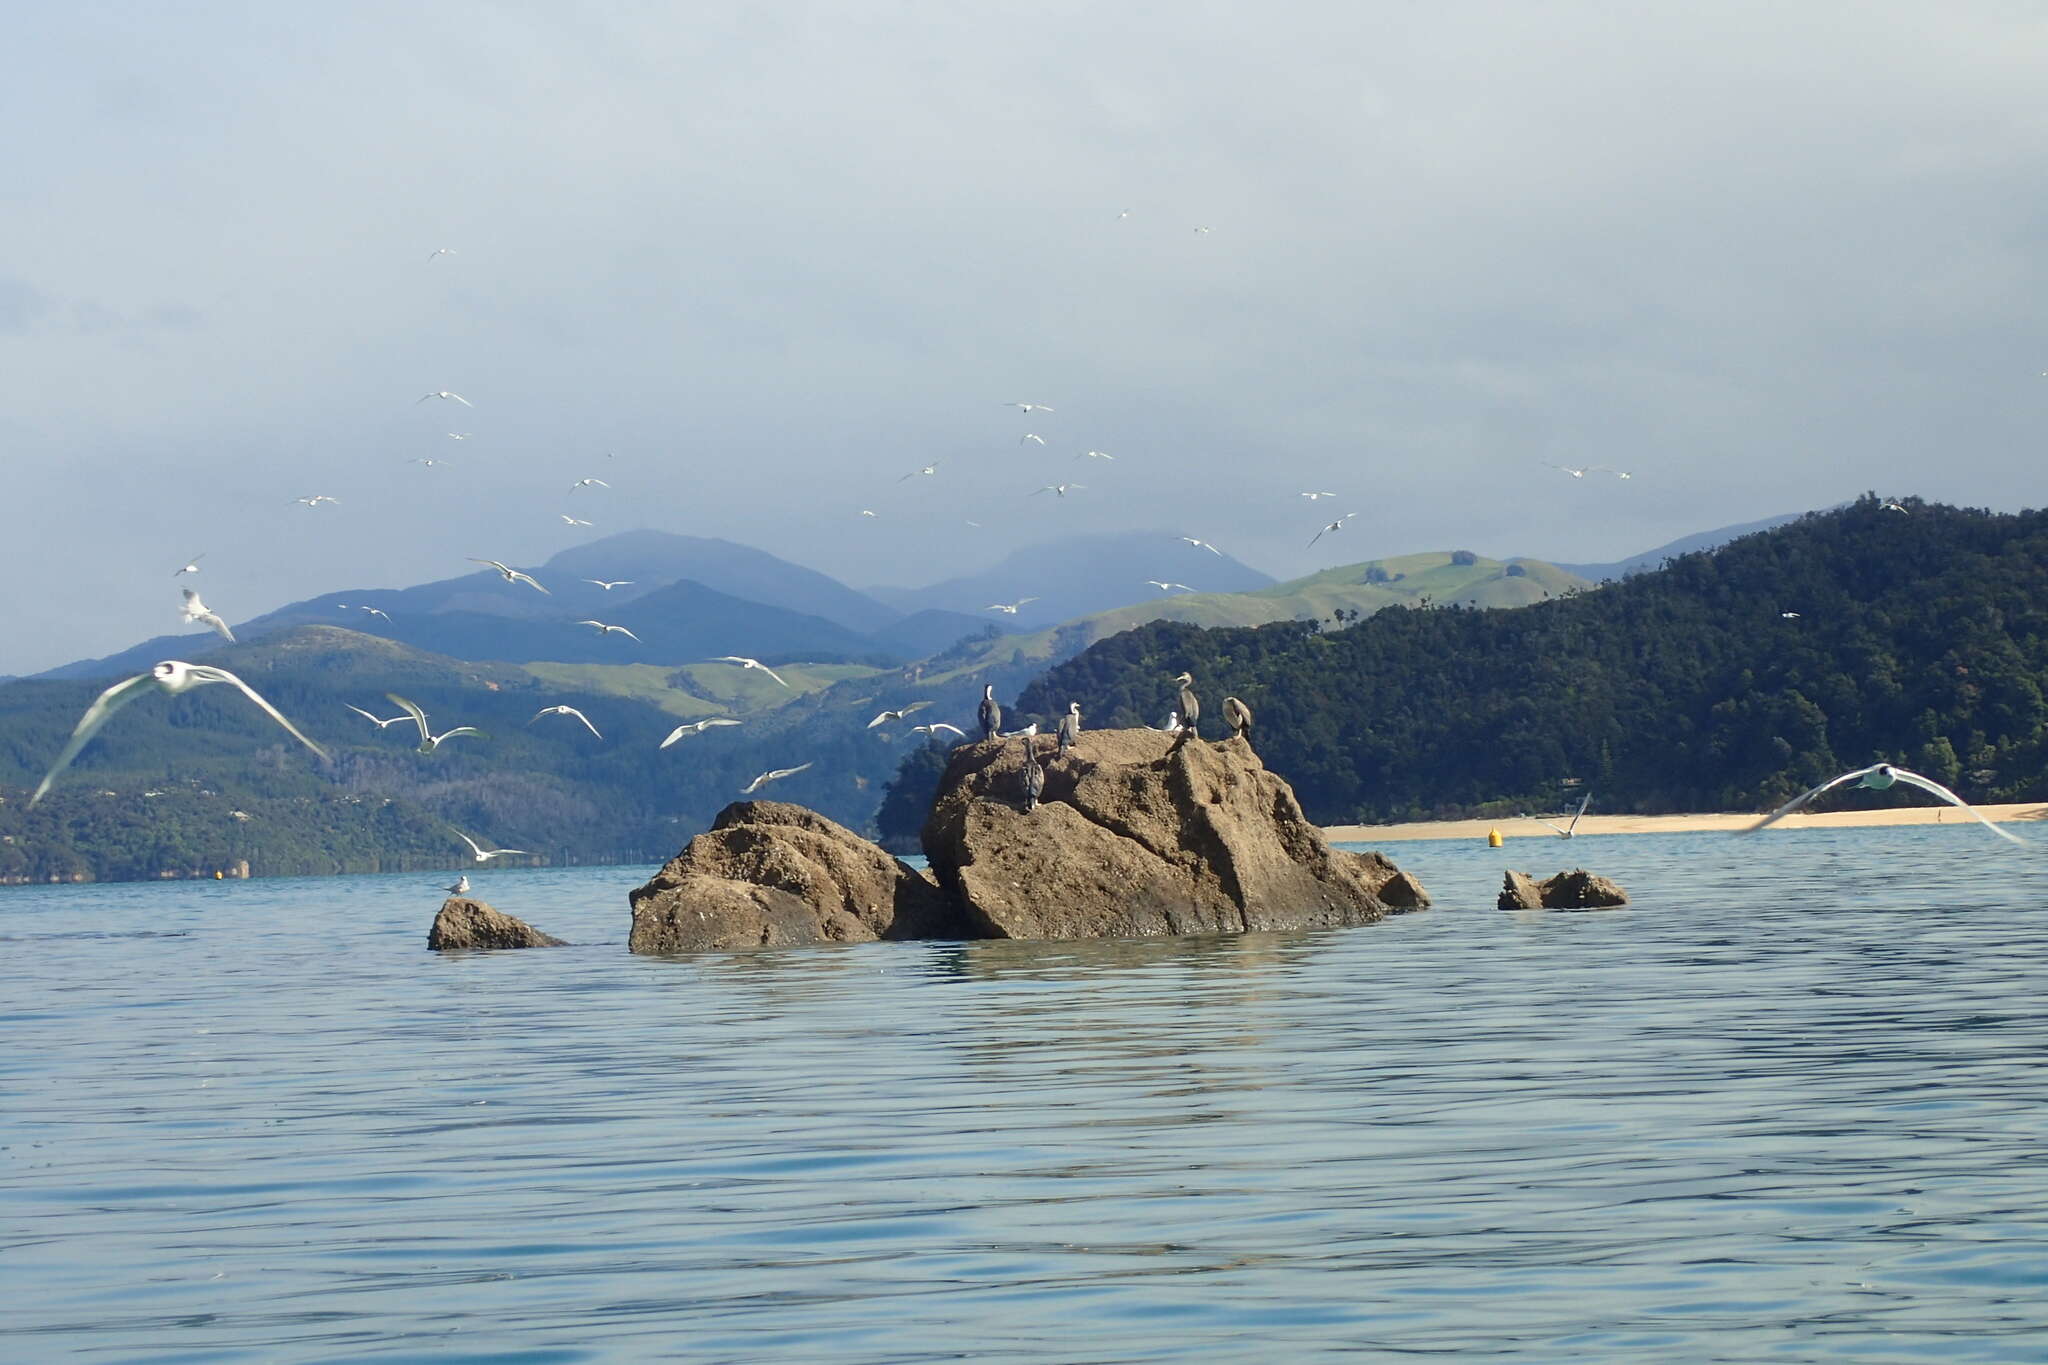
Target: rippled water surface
(1788, 1107)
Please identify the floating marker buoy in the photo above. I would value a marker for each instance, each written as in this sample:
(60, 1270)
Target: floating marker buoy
(1493, 839)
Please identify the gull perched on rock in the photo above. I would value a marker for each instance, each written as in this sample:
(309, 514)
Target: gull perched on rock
(443, 394)
(603, 629)
(749, 663)
(195, 610)
(191, 565)
(1878, 777)
(429, 741)
(695, 727)
(898, 714)
(172, 676)
(1009, 608)
(510, 575)
(460, 886)
(484, 855)
(566, 711)
(772, 775)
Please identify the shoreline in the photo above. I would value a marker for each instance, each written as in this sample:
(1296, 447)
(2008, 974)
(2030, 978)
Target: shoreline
(1522, 827)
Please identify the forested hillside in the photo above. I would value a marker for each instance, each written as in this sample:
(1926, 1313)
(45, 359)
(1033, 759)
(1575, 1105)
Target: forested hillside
(1726, 681)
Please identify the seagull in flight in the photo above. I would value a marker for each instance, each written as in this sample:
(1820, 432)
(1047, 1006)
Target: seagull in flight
(1889, 506)
(1165, 586)
(934, 728)
(749, 663)
(377, 721)
(566, 711)
(485, 855)
(772, 775)
(1030, 436)
(195, 610)
(931, 468)
(510, 575)
(1203, 545)
(1028, 407)
(609, 583)
(1336, 525)
(1567, 469)
(443, 394)
(460, 435)
(1010, 608)
(316, 500)
(1788, 615)
(1060, 488)
(603, 629)
(588, 483)
(866, 513)
(376, 611)
(1571, 830)
(191, 565)
(172, 676)
(429, 741)
(442, 251)
(898, 715)
(695, 727)
(1095, 455)
(568, 520)
(1201, 232)
(1879, 777)
(429, 463)
(1313, 496)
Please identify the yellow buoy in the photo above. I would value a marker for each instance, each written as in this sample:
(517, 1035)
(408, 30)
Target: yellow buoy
(1493, 839)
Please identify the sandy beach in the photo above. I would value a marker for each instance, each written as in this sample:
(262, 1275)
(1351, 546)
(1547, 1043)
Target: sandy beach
(1513, 829)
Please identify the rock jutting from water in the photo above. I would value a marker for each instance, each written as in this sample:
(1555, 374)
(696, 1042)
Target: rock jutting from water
(465, 923)
(1134, 835)
(1577, 889)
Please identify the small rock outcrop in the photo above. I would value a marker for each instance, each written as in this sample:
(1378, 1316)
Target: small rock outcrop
(1137, 833)
(465, 923)
(770, 873)
(1577, 889)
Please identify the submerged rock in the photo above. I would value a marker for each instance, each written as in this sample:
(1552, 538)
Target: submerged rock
(465, 923)
(770, 873)
(1577, 889)
(1140, 832)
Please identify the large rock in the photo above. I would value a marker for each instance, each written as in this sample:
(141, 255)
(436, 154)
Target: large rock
(466, 923)
(1577, 889)
(769, 873)
(1140, 833)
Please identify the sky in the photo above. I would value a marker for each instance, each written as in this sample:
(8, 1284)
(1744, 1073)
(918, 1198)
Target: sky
(752, 264)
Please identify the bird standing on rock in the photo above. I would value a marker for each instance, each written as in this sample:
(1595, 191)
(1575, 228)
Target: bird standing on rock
(1070, 727)
(1238, 717)
(991, 713)
(1034, 779)
(1190, 706)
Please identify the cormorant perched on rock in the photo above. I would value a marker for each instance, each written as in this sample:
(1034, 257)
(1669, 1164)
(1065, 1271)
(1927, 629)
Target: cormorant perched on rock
(1070, 727)
(991, 713)
(1190, 706)
(1034, 778)
(1238, 717)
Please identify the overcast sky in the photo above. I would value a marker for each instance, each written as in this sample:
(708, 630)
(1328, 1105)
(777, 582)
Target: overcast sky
(773, 256)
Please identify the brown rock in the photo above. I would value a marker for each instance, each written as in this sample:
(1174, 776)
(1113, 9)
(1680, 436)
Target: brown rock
(1574, 890)
(1137, 834)
(768, 872)
(465, 923)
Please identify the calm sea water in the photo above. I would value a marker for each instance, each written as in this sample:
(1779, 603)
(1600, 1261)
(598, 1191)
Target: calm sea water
(1791, 1106)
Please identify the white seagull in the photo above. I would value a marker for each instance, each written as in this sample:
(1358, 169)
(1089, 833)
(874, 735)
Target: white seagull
(1313, 496)
(317, 499)
(898, 715)
(1336, 525)
(375, 720)
(191, 565)
(1008, 608)
(460, 886)
(1203, 545)
(1567, 469)
(443, 394)
(931, 468)
(510, 575)
(1028, 407)
(934, 728)
(603, 629)
(460, 435)
(1165, 586)
(1060, 488)
(866, 513)
(429, 463)
(195, 610)
(377, 611)
(172, 676)
(1571, 830)
(749, 663)
(609, 583)
(568, 520)
(588, 483)
(485, 855)
(429, 741)
(1030, 436)
(772, 775)
(695, 727)
(1877, 777)
(566, 711)
(1095, 455)
(443, 251)
(1894, 507)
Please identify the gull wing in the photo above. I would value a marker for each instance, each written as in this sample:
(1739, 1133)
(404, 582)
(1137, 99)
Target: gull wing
(96, 715)
(1582, 810)
(1930, 785)
(365, 715)
(460, 730)
(518, 577)
(1796, 802)
(206, 674)
(586, 721)
(472, 844)
(773, 674)
(411, 709)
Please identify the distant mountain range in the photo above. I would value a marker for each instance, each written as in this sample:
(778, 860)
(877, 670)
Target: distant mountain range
(1684, 545)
